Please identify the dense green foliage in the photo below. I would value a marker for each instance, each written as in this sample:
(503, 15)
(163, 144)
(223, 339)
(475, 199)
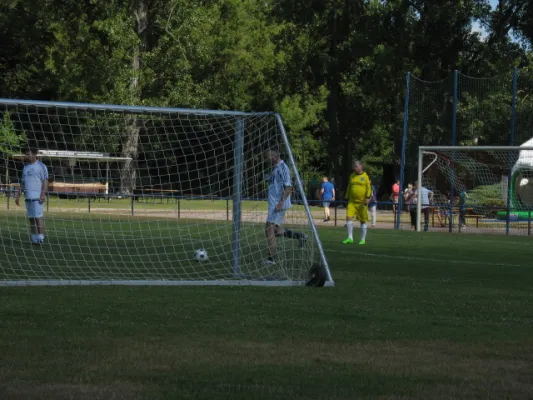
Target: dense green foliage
(334, 69)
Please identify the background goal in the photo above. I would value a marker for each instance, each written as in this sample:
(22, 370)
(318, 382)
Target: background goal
(479, 188)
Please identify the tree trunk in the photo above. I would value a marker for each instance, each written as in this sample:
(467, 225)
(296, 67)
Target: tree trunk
(130, 145)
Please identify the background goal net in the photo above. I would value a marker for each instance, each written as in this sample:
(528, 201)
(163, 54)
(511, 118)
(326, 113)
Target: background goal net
(478, 188)
(134, 192)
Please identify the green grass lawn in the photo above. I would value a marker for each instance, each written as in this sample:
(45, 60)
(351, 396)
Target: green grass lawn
(120, 247)
(411, 316)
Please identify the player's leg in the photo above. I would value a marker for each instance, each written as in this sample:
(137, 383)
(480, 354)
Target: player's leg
(40, 229)
(272, 223)
(270, 232)
(412, 213)
(440, 218)
(325, 204)
(39, 219)
(280, 231)
(462, 217)
(350, 214)
(373, 215)
(362, 216)
(426, 219)
(30, 210)
(34, 235)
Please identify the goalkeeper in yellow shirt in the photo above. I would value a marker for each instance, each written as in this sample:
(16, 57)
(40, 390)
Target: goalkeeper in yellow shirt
(358, 195)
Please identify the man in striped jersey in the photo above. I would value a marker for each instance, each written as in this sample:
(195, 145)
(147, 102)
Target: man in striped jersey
(279, 200)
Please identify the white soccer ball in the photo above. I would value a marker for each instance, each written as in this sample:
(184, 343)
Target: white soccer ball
(201, 255)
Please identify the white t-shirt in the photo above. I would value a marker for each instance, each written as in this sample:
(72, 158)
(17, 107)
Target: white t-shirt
(279, 180)
(424, 196)
(33, 176)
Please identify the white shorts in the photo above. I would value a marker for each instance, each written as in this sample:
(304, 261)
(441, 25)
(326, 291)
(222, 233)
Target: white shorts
(34, 208)
(276, 217)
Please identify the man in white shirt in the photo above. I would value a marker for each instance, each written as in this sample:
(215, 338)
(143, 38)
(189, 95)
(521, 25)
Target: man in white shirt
(279, 200)
(34, 184)
(426, 198)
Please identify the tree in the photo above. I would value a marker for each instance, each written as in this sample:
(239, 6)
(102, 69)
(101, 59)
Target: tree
(11, 141)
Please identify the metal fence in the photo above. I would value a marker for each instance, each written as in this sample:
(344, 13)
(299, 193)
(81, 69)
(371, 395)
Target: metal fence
(464, 111)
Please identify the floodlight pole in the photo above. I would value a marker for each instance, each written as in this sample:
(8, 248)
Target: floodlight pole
(454, 143)
(418, 191)
(404, 145)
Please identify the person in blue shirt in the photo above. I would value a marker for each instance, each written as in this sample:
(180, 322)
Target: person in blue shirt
(327, 195)
(34, 184)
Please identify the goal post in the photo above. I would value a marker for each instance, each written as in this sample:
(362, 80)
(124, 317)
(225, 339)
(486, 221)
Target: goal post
(482, 188)
(171, 181)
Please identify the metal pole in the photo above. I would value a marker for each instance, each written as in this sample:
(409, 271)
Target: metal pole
(8, 187)
(404, 144)
(511, 159)
(467, 148)
(7, 172)
(454, 143)
(303, 159)
(418, 191)
(237, 193)
(107, 180)
(455, 100)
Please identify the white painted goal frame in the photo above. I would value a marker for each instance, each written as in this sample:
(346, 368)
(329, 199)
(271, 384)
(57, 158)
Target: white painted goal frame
(432, 151)
(237, 278)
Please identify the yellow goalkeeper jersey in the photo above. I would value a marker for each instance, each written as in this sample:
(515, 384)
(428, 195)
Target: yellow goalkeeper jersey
(359, 188)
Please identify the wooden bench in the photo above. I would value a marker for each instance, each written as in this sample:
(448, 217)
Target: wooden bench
(474, 216)
(436, 211)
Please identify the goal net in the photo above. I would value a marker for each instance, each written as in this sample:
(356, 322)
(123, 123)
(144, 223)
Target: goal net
(475, 188)
(134, 192)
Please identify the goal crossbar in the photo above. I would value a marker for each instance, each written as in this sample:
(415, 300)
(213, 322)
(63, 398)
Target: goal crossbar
(132, 109)
(470, 148)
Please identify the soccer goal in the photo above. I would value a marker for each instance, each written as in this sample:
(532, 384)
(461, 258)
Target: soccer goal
(484, 189)
(152, 196)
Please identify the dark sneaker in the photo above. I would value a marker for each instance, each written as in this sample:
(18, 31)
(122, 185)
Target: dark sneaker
(303, 239)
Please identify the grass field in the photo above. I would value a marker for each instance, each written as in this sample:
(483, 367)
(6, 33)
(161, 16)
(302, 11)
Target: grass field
(411, 316)
(120, 247)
